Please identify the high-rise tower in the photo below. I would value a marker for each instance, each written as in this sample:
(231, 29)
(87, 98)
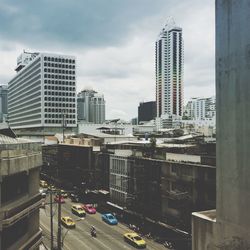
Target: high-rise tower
(91, 106)
(169, 60)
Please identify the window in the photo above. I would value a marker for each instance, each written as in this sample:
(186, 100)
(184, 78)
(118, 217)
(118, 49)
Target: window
(174, 169)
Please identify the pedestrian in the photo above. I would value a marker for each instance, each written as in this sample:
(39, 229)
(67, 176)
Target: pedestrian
(121, 217)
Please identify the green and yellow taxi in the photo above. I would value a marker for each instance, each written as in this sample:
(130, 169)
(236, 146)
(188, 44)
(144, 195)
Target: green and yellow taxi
(78, 210)
(135, 240)
(68, 222)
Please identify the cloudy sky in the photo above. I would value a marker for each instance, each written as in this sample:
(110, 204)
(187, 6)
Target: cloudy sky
(113, 41)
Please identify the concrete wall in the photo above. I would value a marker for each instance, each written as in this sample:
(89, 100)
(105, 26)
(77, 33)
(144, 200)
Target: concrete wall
(34, 180)
(232, 228)
(18, 164)
(203, 229)
(183, 157)
(16, 158)
(233, 115)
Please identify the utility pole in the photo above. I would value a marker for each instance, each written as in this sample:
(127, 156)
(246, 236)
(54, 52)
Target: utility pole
(64, 115)
(59, 233)
(51, 222)
(63, 127)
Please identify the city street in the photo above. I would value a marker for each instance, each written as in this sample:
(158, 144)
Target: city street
(108, 237)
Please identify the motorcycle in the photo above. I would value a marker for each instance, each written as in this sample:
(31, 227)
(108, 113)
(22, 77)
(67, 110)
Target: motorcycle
(93, 233)
(132, 227)
(149, 236)
(168, 245)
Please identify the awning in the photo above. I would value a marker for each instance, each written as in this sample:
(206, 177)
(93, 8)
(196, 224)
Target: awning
(172, 228)
(114, 205)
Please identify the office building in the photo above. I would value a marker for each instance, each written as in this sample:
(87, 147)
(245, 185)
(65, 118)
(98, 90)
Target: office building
(90, 107)
(134, 121)
(200, 109)
(169, 60)
(3, 102)
(19, 190)
(146, 111)
(43, 92)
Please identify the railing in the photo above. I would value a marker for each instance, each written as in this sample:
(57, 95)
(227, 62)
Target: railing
(26, 146)
(178, 195)
(18, 212)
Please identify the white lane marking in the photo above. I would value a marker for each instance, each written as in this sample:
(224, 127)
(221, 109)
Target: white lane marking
(77, 239)
(96, 239)
(109, 237)
(101, 243)
(99, 220)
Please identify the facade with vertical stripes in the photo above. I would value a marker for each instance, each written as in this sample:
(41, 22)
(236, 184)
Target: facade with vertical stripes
(169, 63)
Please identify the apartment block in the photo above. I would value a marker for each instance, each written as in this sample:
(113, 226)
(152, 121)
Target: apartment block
(178, 180)
(169, 67)
(200, 109)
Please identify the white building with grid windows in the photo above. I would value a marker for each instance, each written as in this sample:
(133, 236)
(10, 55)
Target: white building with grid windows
(120, 177)
(43, 92)
(169, 66)
(200, 108)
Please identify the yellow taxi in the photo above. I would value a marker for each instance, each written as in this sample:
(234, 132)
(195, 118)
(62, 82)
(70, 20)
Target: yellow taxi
(78, 210)
(43, 184)
(135, 240)
(68, 222)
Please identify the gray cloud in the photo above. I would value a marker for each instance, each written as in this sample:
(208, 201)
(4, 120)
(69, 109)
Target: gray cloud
(74, 23)
(113, 41)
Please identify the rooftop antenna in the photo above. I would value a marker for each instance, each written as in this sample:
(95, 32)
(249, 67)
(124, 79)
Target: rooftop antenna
(170, 22)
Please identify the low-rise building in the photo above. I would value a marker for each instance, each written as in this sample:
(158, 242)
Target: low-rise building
(20, 162)
(72, 165)
(165, 185)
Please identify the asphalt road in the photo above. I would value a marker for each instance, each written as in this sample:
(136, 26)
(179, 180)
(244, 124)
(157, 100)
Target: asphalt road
(108, 237)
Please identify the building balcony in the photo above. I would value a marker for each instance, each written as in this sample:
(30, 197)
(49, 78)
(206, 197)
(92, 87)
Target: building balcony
(19, 209)
(177, 195)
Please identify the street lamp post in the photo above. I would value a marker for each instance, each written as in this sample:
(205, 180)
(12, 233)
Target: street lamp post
(64, 121)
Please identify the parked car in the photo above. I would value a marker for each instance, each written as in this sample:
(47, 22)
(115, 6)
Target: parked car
(74, 197)
(43, 184)
(89, 208)
(68, 222)
(64, 194)
(59, 200)
(135, 240)
(110, 219)
(78, 210)
(52, 188)
(42, 192)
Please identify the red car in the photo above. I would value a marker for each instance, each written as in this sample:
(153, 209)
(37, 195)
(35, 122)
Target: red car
(89, 208)
(56, 199)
